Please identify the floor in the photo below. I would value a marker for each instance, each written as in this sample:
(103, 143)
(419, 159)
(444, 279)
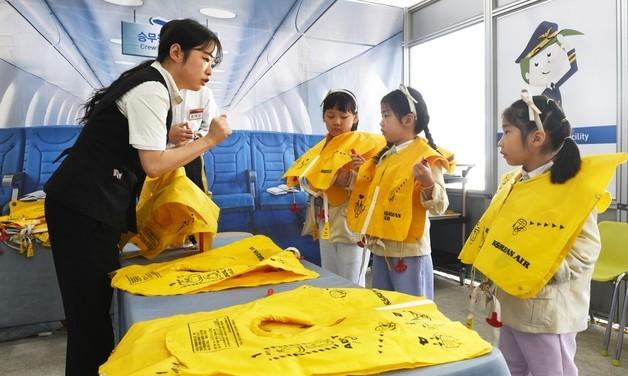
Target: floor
(44, 355)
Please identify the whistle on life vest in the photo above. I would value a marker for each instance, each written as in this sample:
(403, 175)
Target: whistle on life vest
(362, 242)
(321, 213)
(294, 208)
(493, 320)
(401, 266)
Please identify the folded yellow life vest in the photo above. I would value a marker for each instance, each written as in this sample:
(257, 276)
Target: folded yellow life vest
(25, 224)
(384, 201)
(171, 207)
(306, 331)
(320, 164)
(251, 261)
(530, 226)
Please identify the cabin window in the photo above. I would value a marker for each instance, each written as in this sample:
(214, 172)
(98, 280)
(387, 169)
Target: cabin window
(449, 72)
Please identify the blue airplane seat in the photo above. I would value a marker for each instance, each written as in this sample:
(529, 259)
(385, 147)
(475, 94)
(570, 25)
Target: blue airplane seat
(11, 159)
(43, 145)
(304, 142)
(228, 171)
(227, 167)
(273, 154)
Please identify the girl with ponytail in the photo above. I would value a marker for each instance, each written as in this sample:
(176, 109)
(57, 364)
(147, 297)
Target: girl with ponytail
(538, 240)
(394, 192)
(554, 142)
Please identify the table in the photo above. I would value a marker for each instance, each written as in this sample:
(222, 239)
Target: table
(133, 308)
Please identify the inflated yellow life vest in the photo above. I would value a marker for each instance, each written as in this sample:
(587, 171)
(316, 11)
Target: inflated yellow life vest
(384, 202)
(316, 170)
(251, 261)
(530, 226)
(171, 207)
(319, 165)
(24, 224)
(306, 331)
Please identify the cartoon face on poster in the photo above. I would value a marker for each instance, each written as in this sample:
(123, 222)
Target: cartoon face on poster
(554, 49)
(549, 59)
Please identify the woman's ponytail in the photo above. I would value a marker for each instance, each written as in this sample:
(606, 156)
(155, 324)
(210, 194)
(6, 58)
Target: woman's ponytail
(90, 106)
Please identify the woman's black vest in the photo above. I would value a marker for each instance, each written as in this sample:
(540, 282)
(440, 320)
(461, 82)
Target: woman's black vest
(102, 174)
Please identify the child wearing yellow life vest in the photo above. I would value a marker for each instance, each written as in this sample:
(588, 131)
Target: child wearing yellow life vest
(538, 240)
(394, 191)
(325, 172)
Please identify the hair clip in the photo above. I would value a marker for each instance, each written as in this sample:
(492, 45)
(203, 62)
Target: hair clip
(533, 110)
(411, 101)
(344, 91)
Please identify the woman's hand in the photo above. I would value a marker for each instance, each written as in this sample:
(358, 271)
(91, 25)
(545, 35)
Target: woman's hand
(218, 130)
(180, 134)
(158, 162)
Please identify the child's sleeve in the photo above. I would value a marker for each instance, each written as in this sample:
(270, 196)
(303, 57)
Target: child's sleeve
(438, 202)
(583, 254)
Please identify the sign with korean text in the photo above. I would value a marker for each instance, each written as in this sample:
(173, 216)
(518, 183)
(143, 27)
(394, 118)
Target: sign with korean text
(140, 39)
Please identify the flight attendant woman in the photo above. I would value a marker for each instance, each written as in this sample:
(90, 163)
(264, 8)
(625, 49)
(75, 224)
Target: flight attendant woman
(91, 197)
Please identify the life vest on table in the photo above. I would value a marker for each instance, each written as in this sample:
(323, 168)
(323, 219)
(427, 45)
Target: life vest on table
(530, 226)
(171, 207)
(320, 164)
(305, 331)
(383, 201)
(251, 261)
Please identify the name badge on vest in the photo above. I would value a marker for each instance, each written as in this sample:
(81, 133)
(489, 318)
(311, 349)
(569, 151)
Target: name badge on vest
(195, 114)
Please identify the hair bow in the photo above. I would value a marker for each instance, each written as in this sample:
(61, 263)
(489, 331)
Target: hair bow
(533, 111)
(409, 97)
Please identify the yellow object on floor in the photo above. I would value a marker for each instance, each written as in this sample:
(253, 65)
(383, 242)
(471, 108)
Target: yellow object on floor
(252, 261)
(171, 208)
(530, 226)
(306, 331)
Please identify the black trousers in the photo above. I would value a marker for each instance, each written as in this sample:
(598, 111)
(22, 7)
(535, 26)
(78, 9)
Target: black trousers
(194, 171)
(84, 251)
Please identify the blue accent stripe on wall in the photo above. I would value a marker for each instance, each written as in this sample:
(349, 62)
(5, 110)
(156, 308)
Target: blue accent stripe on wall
(604, 134)
(601, 134)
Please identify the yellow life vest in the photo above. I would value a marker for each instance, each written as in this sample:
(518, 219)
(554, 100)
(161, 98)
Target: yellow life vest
(171, 207)
(530, 226)
(319, 165)
(25, 224)
(251, 261)
(384, 201)
(306, 331)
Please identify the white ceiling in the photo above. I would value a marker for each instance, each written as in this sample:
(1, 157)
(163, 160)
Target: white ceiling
(273, 45)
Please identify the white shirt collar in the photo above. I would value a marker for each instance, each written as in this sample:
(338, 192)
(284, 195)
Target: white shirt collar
(173, 90)
(537, 171)
(402, 145)
(397, 148)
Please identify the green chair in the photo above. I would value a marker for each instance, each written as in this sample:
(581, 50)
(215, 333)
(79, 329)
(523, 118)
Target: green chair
(612, 266)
